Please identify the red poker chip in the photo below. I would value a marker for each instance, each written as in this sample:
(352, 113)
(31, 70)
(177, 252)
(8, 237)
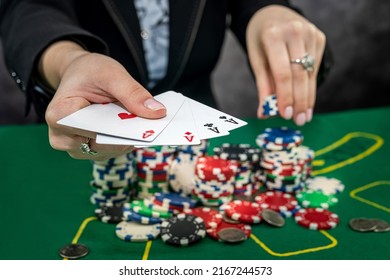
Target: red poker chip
(284, 173)
(214, 165)
(162, 166)
(175, 209)
(212, 218)
(152, 153)
(214, 175)
(316, 218)
(156, 178)
(277, 201)
(213, 232)
(244, 211)
(213, 195)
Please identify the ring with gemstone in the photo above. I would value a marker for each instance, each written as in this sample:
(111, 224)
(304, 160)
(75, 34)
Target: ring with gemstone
(307, 62)
(86, 148)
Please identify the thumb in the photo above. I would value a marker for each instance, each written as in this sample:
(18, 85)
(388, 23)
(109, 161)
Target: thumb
(135, 98)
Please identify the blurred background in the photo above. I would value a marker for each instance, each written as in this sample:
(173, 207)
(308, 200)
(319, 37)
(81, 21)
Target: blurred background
(358, 33)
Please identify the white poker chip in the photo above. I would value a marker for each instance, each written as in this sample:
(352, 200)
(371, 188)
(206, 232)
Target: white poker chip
(136, 232)
(326, 185)
(181, 173)
(270, 107)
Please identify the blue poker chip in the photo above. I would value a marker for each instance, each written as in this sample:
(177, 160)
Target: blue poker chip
(279, 139)
(196, 150)
(98, 201)
(282, 135)
(175, 199)
(270, 107)
(130, 215)
(210, 187)
(151, 173)
(127, 158)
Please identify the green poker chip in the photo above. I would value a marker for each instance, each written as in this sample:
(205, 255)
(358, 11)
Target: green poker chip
(139, 207)
(316, 199)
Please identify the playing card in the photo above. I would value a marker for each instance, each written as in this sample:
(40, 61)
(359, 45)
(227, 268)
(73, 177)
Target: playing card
(113, 119)
(180, 131)
(212, 123)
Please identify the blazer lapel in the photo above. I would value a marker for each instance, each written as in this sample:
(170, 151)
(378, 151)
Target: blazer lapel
(125, 17)
(184, 17)
(184, 20)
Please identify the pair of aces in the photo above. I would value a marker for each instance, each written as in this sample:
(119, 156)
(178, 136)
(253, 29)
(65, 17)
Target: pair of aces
(187, 123)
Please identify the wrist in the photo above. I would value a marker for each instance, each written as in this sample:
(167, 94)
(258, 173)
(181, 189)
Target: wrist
(55, 60)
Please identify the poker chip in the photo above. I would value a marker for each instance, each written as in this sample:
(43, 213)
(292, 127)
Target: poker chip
(112, 181)
(277, 201)
(244, 211)
(172, 208)
(328, 186)
(138, 206)
(279, 139)
(130, 215)
(152, 167)
(149, 202)
(195, 150)
(136, 232)
(182, 173)
(110, 213)
(270, 106)
(176, 200)
(211, 218)
(214, 168)
(244, 228)
(238, 152)
(118, 160)
(316, 218)
(183, 230)
(316, 199)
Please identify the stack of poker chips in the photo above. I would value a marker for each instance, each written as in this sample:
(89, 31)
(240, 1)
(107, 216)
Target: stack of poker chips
(246, 182)
(305, 157)
(138, 211)
(182, 168)
(196, 150)
(152, 166)
(171, 202)
(112, 180)
(214, 180)
(280, 160)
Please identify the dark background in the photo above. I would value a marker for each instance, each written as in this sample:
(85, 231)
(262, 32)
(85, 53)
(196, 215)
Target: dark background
(358, 33)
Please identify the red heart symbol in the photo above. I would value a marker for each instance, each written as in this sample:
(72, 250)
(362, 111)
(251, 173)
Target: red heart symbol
(147, 134)
(125, 116)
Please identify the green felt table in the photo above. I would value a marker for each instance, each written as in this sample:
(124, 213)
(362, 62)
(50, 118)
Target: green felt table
(44, 198)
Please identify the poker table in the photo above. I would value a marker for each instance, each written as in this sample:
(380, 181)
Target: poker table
(45, 198)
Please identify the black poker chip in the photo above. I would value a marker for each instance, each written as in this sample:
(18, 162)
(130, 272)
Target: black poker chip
(183, 230)
(110, 213)
(239, 152)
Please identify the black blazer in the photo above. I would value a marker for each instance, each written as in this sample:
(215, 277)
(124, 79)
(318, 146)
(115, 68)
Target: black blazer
(111, 27)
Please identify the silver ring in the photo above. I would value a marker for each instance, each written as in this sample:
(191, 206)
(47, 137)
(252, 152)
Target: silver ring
(307, 62)
(86, 148)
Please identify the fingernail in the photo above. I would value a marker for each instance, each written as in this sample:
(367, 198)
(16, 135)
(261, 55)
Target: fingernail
(309, 114)
(300, 119)
(153, 104)
(288, 113)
